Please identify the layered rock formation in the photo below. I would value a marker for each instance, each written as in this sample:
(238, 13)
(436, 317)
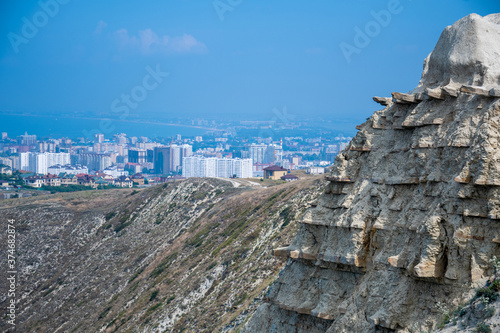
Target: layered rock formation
(411, 216)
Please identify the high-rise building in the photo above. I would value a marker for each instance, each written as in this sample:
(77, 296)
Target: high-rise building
(98, 138)
(120, 139)
(26, 139)
(40, 162)
(169, 159)
(257, 152)
(92, 161)
(7, 161)
(162, 160)
(198, 166)
(150, 155)
(137, 155)
(175, 162)
(186, 150)
(262, 153)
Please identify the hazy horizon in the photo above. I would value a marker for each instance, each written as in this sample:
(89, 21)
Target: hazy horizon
(227, 60)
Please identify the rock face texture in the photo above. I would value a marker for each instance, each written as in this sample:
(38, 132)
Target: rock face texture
(411, 215)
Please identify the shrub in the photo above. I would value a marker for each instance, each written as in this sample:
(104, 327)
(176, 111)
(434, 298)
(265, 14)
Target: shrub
(490, 311)
(152, 309)
(495, 285)
(153, 295)
(483, 328)
(487, 294)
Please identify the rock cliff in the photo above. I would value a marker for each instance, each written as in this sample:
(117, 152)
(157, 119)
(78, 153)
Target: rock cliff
(411, 215)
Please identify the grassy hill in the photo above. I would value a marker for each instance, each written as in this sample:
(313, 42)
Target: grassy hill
(192, 256)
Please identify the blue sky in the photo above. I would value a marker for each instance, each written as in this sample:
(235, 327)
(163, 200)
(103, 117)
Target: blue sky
(229, 58)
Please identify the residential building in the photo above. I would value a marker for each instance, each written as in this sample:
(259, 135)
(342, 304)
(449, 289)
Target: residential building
(262, 153)
(120, 139)
(114, 171)
(198, 166)
(92, 161)
(123, 181)
(34, 181)
(315, 170)
(289, 177)
(169, 159)
(5, 169)
(274, 172)
(40, 162)
(42, 180)
(98, 138)
(137, 155)
(138, 179)
(68, 168)
(257, 152)
(133, 168)
(26, 139)
(162, 160)
(86, 180)
(68, 179)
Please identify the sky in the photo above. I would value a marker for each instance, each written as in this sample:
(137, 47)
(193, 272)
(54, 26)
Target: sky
(217, 59)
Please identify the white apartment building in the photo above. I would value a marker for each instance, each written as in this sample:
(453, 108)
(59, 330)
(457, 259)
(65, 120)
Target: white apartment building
(69, 169)
(115, 172)
(262, 153)
(40, 162)
(7, 161)
(198, 166)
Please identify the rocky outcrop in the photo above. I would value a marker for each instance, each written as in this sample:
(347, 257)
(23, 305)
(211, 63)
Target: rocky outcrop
(411, 214)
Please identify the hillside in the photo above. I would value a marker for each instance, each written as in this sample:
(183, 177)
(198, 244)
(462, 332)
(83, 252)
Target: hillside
(191, 256)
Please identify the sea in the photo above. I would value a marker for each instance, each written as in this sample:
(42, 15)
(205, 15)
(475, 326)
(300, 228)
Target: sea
(76, 127)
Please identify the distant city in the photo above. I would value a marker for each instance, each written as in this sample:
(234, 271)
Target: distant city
(121, 160)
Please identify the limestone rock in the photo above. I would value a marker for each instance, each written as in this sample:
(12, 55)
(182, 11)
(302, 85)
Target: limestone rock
(404, 98)
(467, 53)
(382, 100)
(435, 93)
(409, 217)
(475, 90)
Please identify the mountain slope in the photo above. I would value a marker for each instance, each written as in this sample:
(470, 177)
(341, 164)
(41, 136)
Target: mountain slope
(188, 256)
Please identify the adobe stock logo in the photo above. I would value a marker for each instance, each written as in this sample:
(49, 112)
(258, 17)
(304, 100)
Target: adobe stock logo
(372, 29)
(30, 28)
(223, 6)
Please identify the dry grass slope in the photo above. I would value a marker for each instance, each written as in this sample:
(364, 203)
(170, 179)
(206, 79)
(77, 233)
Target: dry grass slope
(193, 256)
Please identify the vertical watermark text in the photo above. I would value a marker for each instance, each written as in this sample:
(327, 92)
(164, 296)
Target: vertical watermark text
(11, 275)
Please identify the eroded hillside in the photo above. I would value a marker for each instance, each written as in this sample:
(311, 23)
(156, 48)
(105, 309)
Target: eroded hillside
(189, 256)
